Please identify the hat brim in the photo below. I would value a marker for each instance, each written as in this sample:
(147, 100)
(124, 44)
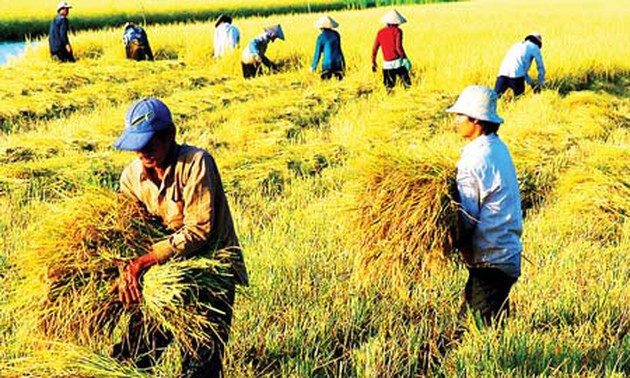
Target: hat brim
(494, 118)
(129, 141)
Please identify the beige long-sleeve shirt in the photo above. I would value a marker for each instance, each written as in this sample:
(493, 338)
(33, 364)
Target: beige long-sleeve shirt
(191, 202)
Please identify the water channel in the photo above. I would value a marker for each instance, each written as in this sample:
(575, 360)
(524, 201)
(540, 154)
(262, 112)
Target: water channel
(11, 49)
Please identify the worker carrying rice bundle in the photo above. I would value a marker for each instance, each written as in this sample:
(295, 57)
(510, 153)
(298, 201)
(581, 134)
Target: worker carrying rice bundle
(136, 42)
(181, 185)
(491, 219)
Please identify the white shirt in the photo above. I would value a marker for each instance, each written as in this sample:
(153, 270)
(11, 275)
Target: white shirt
(226, 38)
(518, 60)
(489, 194)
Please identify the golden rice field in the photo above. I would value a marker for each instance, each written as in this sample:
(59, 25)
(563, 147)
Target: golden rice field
(333, 186)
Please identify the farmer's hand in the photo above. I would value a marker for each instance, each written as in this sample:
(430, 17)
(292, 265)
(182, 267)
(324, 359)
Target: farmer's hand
(128, 285)
(374, 67)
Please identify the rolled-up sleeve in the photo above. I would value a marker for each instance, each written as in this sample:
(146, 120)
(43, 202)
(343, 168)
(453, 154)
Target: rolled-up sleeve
(198, 212)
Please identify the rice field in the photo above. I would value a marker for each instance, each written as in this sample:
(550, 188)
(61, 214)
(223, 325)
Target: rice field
(31, 18)
(340, 192)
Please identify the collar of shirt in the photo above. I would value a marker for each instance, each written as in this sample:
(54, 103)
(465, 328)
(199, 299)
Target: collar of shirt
(480, 141)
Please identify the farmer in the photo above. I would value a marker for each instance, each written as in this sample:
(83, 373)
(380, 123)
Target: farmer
(181, 185)
(254, 54)
(136, 43)
(490, 217)
(513, 70)
(328, 43)
(226, 36)
(395, 61)
(60, 48)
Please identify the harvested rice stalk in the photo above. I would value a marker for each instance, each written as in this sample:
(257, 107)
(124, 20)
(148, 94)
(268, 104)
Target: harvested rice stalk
(405, 211)
(77, 251)
(55, 359)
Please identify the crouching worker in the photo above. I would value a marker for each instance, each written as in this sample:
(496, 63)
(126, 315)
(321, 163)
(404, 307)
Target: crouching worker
(181, 185)
(136, 43)
(254, 54)
(491, 219)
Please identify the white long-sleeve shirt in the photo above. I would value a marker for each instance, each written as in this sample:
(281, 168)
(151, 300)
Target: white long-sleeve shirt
(490, 197)
(226, 38)
(518, 60)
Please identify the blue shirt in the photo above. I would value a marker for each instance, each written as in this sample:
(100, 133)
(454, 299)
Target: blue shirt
(328, 43)
(58, 34)
(519, 59)
(135, 33)
(490, 197)
(255, 51)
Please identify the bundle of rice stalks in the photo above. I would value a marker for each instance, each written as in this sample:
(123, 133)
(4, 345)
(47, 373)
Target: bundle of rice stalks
(405, 211)
(76, 252)
(55, 359)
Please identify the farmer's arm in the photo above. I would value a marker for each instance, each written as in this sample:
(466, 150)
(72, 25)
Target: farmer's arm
(468, 215)
(198, 214)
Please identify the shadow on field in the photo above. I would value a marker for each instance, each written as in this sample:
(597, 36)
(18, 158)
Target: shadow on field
(615, 82)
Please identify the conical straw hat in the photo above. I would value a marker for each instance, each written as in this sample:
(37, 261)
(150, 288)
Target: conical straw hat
(393, 17)
(275, 30)
(326, 22)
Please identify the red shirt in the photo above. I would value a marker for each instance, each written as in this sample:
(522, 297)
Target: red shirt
(390, 40)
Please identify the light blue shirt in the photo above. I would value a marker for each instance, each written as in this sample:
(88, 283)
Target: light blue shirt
(518, 60)
(256, 50)
(490, 197)
(226, 38)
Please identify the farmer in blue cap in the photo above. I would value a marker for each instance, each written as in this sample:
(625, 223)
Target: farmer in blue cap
(181, 185)
(58, 42)
(254, 54)
(491, 219)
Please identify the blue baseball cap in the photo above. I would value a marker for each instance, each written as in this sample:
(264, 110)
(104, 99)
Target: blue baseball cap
(142, 120)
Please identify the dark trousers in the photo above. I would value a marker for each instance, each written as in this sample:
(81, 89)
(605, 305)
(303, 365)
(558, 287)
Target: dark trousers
(328, 74)
(486, 293)
(63, 56)
(516, 84)
(390, 76)
(143, 342)
(137, 51)
(251, 70)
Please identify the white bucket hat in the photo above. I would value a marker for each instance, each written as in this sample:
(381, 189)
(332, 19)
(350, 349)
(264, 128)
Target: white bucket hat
(62, 5)
(326, 22)
(477, 102)
(393, 18)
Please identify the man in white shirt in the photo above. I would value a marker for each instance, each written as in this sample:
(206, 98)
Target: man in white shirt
(491, 218)
(513, 70)
(226, 36)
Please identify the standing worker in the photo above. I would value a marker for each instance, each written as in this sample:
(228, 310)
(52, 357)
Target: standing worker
(60, 47)
(491, 219)
(395, 61)
(136, 43)
(181, 185)
(329, 44)
(226, 36)
(254, 54)
(515, 65)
